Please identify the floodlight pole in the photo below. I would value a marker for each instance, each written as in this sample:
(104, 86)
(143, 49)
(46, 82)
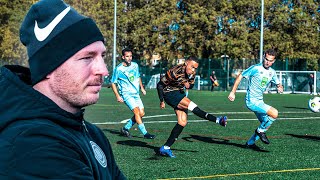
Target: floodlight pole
(226, 59)
(315, 83)
(261, 31)
(114, 36)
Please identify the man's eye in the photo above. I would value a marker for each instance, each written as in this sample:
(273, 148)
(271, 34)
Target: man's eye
(88, 58)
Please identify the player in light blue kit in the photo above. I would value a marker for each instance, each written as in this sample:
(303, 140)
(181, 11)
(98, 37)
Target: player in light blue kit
(259, 76)
(127, 77)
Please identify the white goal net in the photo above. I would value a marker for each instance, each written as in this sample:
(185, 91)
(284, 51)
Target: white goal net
(295, 82)
(152, 84)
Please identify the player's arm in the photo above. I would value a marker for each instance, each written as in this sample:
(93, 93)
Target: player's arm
(160, 87)
(191, 86)
(116, 93)
(232, 94)
(141, 87)
(211, 78)
(191, 82)
(276, 81)
(280, 88)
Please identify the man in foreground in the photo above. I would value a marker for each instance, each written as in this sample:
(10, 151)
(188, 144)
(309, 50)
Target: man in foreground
(43, 132)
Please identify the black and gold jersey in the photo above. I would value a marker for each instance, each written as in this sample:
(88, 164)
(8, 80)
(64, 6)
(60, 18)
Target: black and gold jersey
(176, 77)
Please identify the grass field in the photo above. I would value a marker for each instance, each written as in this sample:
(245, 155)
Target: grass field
(206, 150)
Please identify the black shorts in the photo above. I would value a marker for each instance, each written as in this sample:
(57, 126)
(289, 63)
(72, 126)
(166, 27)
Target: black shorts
(173, 98)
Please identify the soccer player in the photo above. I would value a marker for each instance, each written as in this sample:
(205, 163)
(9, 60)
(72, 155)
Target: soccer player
(214, 80)
(259, 76)
(127, 76)
(171, 90)
(311, 83)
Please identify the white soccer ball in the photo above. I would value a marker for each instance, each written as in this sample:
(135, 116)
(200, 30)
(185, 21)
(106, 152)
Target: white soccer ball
(314, 104)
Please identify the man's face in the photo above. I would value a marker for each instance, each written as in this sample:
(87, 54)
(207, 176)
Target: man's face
(268, 61)
(77, 82)
(127, 57)
(191, 68)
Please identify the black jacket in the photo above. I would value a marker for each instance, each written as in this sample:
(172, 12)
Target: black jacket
(39, 140)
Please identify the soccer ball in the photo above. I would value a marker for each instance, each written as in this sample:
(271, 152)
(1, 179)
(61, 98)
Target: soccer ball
(314, 104)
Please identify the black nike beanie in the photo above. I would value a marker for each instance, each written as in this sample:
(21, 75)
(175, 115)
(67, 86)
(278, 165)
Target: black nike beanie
(53, 32)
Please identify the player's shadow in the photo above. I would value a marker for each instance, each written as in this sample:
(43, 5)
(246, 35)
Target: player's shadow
(112, 131)
(115, 132)
(307, 137)
(291, 107)
(219, 141)
(134, 143)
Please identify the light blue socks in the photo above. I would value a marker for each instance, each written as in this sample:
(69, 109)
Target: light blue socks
(142, 129)
(129, 124)
(267, 121)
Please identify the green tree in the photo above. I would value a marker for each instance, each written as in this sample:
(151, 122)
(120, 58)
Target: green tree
(179, 28)
(12, 13)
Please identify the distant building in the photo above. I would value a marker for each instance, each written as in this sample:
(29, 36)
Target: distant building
(156, 57)
(180, 61)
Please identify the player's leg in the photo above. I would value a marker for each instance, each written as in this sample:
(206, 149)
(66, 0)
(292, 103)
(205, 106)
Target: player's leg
(268, 119)
(138, 112)
(142, 127)
(176, 131)
(186, 103)
(130, 123)
(136, 106)
(266, 115)
(130, 102)
(255, 136)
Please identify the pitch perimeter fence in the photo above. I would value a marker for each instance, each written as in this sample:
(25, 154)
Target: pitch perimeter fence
(226, 71)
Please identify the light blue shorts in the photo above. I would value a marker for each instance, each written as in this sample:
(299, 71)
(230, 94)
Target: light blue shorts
(133, 101)
(258, 106)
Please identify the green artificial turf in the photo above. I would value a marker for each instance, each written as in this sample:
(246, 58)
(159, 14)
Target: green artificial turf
(206, 150)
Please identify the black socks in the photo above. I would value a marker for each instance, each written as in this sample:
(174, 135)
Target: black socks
(176, 131)
(197, 111)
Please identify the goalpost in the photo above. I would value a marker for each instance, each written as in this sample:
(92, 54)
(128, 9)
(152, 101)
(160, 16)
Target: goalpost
(294, 82)
(152, 84)
(297, 82)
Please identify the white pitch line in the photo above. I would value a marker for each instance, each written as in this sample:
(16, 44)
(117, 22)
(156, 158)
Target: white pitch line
(166, 115)
(201, 120)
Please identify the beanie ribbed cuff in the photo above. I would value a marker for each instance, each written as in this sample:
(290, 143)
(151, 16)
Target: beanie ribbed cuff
(62, 47)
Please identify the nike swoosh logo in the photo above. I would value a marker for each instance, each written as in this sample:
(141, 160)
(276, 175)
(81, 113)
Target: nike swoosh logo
(43, 33)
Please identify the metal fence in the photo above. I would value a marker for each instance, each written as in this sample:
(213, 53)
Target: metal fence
(225, 69)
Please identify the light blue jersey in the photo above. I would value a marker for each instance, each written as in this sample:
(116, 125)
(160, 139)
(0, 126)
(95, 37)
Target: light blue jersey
(127, 79)
(259, 79)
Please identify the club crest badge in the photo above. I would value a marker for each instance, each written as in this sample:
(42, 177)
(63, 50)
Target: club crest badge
(99, 154)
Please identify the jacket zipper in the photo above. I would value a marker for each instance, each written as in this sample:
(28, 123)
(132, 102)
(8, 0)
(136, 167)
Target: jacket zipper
(84, 126)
